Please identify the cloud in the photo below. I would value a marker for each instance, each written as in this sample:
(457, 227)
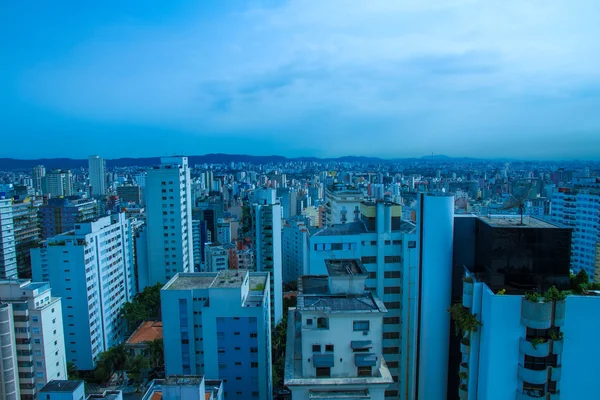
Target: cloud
(410, 75)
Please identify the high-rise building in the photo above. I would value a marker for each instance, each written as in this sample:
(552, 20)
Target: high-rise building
(295, 254)
(37, 340)
(217, 324)
(129, 194)
(9, 383)
(169, 220)
(91, 268)
(37, 173)
(532, 342)
(58, 183)
(343, 204)
(267, 246)
(578, 206)
(27, 230)
(97, 175)
(223, 231)
(216, 257)
(426, 285)
(334, 339)
(8, 255)
(62, 214)
(386, 246)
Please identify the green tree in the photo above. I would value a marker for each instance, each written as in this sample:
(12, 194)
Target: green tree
(72, 371)
(579, 282)
(145, 306)
(157, 353)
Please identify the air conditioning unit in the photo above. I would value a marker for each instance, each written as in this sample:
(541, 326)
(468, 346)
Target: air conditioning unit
(365, 333)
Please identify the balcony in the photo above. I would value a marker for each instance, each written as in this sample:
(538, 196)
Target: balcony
(541, 376)
(462, 392)
(557, 347)
(526, 347)
(537, 394)
(537, 377)
(559, 313)
(467, 294)
(465, 346)
(536, 315)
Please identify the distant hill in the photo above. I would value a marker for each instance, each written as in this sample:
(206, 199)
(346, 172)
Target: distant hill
(215, 158)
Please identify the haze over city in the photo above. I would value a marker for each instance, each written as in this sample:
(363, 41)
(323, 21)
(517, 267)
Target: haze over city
(301, 78)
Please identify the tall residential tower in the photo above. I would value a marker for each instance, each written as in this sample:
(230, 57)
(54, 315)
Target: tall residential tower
(169, 220)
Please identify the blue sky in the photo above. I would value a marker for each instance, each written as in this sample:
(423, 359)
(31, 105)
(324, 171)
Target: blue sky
(301, 78)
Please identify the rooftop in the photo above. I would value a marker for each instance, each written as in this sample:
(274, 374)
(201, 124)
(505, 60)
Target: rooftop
(188, 281)
(349, 267)
(184, 380)
(514, 221)
(147, 332)
(61, 386)
(314, 295)
(351, 228)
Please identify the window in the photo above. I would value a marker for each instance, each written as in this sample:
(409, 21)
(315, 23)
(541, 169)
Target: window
(35, 319)
(323, 372)
(329, 348)
(392, 274)
(221, 350)
(391, 290)
(392, 259)
(322, 323)
(533, 390)
(363, 371)
(316, 348)
(309, 322)
(369, 259)
(392, 305)
(254, 364)
(360, 325)
(391, 335)
(391, 350)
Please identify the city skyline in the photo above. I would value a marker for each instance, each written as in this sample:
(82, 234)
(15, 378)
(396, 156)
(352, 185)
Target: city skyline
(393, 80)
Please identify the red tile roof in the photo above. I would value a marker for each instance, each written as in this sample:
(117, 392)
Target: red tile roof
(147, 332)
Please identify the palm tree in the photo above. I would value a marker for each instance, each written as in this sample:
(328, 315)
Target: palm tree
(157, 353)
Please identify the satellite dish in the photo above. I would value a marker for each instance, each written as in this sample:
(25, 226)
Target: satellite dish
(521, 194)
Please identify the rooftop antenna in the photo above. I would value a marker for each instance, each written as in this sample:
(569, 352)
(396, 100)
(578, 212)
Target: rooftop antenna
(522, 194)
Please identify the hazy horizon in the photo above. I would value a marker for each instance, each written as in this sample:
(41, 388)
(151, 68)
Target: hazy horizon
(300, 78)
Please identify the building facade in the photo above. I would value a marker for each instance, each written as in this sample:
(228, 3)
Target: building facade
(342, 204)
(169, 220)
(61, 214)
(92, 269)
(217, 324)
(386, 246)
(267, 245)
(58, 183)
(578, 206)
(295, 255)
(97, 175)
(27, 232)
(8, 254)
(37, 173)
(334, 340)
(38, 340)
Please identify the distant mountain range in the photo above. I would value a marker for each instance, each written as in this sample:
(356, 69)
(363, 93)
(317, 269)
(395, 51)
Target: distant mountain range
(217, 158)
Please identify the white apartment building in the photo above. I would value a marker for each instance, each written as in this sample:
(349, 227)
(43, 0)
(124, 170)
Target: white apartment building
(97, 175)
(36, 342)
(267, 245)
(217, 324)
(91, 268)
(169, 220)
(216, 257)
(8, 252)
(334, 339)
(295, 249)
(223, 231)
(385, 244)
(579, 208)
(37, 173)
(58, 183)
(343, 204)
(189, 387)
